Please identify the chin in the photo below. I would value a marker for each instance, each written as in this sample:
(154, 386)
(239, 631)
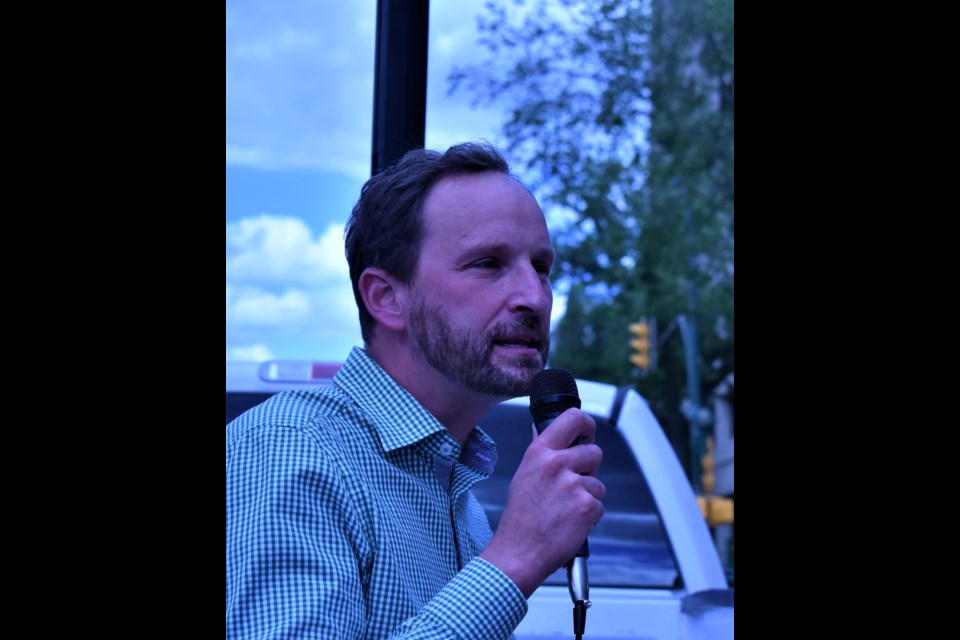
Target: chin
(520, 362)
(524, 369)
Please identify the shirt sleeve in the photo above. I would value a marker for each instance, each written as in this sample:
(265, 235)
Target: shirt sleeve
(292, 567)
(297, 554)
(480, 603)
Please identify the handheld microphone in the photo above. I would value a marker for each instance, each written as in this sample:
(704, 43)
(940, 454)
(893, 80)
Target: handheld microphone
(553, 391)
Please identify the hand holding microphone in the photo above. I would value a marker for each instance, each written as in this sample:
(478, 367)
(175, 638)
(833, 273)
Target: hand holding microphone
(553, 501)
(552, 392)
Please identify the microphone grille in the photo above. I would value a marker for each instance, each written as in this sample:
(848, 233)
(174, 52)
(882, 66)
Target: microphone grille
(552, 381)
(552, 391)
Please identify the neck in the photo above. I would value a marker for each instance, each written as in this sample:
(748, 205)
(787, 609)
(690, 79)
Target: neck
(459, 409)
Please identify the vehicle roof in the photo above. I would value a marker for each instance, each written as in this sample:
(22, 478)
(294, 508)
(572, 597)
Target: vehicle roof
(272, 376)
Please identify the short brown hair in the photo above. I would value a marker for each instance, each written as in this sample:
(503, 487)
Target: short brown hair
(385, 228)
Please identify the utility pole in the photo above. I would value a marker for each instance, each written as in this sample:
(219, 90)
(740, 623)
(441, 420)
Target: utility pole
(698, 416)
(399, 80)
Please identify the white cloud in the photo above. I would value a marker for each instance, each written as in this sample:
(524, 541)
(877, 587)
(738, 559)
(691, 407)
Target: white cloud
(453, 42)
(283, 250)
(251, 353)
(256, 307)
(299, 85)
(271, 45)
(283, 281)
(318, 322)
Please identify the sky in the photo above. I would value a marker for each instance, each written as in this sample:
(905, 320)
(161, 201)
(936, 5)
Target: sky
(299, 112)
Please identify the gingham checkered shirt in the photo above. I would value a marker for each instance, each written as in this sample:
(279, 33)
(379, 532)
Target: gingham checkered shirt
(349, 515)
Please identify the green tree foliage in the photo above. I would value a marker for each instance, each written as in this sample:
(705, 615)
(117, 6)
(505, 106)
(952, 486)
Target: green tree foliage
(621, 112)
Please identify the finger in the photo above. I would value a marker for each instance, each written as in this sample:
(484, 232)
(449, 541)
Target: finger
(594, 487)
(585, 459)
(570, 427)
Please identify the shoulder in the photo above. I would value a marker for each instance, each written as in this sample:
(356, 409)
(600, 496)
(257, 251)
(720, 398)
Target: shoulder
(305, 411)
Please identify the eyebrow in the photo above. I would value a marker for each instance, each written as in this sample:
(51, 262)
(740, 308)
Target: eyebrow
(496, 248)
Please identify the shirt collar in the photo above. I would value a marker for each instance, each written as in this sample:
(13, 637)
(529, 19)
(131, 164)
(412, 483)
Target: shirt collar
(400, 420)
(397, 416)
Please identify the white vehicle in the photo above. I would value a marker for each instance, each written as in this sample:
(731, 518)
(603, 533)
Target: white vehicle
(654, 570)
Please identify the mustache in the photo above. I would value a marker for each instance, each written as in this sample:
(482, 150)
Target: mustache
(525, 324)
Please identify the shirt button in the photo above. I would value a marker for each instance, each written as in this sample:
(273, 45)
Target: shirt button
(446, 449)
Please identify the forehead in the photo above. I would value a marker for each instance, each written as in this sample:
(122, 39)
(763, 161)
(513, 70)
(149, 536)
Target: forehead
(483, 206)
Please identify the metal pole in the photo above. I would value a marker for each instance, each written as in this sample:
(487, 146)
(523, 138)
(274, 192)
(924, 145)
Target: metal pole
(400, 80)
(691, 408)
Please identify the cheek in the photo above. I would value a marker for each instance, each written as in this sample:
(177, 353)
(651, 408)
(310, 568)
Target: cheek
(450, 290)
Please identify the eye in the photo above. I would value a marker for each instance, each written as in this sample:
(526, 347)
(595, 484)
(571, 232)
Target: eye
(488, 263)
(542, 267)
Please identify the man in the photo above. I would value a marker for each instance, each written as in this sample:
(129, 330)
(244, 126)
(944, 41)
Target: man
(349, 511)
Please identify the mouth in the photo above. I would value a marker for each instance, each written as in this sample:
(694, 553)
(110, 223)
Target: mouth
(519, 343)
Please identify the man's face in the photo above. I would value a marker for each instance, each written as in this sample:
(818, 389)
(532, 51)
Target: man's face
(480, 312)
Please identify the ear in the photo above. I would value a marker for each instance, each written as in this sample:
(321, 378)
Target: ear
(383, 298)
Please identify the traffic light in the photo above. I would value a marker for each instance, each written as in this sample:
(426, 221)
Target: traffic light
(716, 510)
(641, 344)
(721, 511)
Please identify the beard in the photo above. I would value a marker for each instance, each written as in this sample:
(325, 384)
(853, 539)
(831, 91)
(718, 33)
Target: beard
(466, 358)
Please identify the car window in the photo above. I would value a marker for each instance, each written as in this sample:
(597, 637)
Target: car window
(628, 547)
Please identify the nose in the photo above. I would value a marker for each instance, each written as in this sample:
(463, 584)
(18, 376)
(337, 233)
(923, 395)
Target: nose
(530, 291)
